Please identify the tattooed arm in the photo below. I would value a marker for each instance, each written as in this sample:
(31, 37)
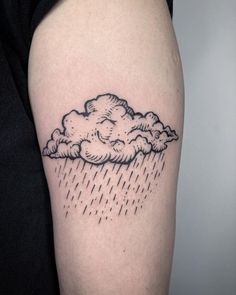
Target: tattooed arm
(106, 91)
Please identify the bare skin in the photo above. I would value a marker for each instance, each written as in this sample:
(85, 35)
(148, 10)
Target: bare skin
(102, 155)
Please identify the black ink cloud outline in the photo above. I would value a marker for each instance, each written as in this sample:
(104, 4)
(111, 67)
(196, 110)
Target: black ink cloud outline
(100, 122)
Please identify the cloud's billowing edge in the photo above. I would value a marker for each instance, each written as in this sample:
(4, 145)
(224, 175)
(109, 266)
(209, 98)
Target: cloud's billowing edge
(108, 130)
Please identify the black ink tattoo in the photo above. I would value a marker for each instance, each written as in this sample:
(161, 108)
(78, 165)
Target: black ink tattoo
(108, 145)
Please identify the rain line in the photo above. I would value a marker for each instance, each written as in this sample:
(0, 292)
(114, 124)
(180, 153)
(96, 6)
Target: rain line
(123, 184)
(154, 155)
(155, 174)
(128, 166)
(93, 188)
(111, 190)
(65, 164)
(95, 175)
(144, 156)
(135, 162)
(102, 167)
(78, 164)
(118, 169)
(131, 175)
(163, 165)
(100, 198)
(83, 167)
(84, 178)
(59, 171)
(85, 209)
(108, 180)
(79, 195)
(68, 193)
(88, 183)
(119, 180)
(76, 186)
(113, 166)
(105, 173)
(144, 171)
(162, 156)
(148, 157)
(137, 188)
(120, 209)
(154, 166)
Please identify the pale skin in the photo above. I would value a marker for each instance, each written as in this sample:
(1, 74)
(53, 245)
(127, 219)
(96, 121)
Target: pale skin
(80, 50)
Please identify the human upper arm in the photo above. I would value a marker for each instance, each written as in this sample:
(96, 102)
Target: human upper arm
(112, 183)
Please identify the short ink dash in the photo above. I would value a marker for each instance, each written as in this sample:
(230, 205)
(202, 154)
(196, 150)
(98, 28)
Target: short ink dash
(84, 178)
(163, 165)
(100, 198)
(95, 175)
(68, 194)
(84, 209)
(131, 175)
(79, 195)
(92, 188)
(123, 184)
(88, 183)
(105, 173)
(120, 209)
(83, 167)
(111, 190)
(76, 186)
(119, 180)
(108, 180)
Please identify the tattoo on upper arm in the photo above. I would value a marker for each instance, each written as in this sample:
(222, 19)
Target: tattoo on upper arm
(108, 157)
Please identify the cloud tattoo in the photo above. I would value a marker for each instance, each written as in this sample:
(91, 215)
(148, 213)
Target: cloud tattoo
(108, 131)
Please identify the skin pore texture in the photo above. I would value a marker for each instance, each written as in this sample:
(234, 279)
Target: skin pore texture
(106, 90)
